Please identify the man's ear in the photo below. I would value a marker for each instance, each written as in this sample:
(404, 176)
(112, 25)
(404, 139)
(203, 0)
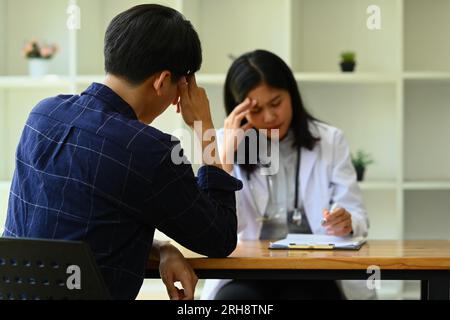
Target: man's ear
(158, 84)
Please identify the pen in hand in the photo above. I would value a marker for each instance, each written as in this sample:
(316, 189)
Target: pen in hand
(333, 208)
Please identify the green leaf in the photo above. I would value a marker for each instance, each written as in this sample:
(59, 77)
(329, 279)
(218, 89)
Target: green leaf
(348, 56)
(362, 159)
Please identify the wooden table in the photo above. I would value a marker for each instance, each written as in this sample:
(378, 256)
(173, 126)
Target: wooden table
(427, 261)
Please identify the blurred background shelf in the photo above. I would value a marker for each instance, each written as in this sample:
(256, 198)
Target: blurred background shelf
(427, 185)
(378, 185)
(50, 81)
(426, 76)
(356, 78)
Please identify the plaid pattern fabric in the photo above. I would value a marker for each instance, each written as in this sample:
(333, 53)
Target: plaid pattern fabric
(87, 169)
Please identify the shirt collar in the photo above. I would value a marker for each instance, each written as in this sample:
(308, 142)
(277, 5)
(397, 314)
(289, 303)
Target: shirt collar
(107, 95)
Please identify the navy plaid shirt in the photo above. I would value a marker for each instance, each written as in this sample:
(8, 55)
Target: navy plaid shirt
(87, 169)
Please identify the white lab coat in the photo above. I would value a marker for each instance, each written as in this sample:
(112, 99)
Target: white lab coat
(326, 173)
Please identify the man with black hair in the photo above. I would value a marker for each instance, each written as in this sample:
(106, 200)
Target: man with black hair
(89, 168)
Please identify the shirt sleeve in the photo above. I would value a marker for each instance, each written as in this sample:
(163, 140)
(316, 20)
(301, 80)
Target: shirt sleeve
(346, 189)
(199, 213)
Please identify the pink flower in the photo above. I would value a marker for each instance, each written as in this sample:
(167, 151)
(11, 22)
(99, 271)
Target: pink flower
(46, 52)
(34, 49)
(28, 47)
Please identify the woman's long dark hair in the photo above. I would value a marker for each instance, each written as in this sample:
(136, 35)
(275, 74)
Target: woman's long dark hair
(255, 68)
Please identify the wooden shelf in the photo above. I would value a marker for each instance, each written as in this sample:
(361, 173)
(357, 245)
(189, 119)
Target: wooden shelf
(49, 81)
(426, 76)
(356, 78)
(219, 78)
(378, 185)
(88, 79)
(55, 81)
(427, 185)
(202, 79)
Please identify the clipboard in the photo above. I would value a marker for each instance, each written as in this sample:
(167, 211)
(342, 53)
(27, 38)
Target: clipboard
(317, 242)
(310, 246)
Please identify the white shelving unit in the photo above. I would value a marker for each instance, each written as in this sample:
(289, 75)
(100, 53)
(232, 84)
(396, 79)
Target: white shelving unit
(426, 76)
(349, 78)
(396, 105)
(23, 82)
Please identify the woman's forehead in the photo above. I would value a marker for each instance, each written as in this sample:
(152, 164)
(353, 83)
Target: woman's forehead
(265, 93)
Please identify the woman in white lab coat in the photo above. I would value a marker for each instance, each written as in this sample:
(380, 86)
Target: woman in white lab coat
(314, 171)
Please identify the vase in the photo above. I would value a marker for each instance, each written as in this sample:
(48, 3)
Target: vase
(348, 66)
(360, 173)
(38, 67)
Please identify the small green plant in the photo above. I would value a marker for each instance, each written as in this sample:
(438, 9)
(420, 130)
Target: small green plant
(348, 56)
(362, 159)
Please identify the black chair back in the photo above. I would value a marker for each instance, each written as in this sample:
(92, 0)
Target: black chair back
(32, 269)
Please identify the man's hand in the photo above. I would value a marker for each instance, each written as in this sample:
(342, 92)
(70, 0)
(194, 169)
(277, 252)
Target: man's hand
(194, 107)
(173, 267)
(194, 103)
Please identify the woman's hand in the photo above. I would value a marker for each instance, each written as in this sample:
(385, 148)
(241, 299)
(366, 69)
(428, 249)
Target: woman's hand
(173, 267)
(339, 223)
(231, 126)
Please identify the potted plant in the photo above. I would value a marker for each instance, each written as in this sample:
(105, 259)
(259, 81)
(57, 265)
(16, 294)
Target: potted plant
(348, 61)
(360, 161)
(39, 56)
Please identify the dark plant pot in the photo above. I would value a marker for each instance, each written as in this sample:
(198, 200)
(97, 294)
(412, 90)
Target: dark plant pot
(348, 66)
(360, 173)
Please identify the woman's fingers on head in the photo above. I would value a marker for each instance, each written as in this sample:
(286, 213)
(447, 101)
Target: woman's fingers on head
(242, 106)
(239, 117)
(235, 118)
(247, 104)
(247, 126)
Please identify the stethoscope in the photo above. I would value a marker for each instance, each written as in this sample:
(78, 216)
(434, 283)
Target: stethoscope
(297, 213)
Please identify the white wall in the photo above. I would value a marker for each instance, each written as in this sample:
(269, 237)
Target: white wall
(325, 28)
(4, 187)
(427, 28)
(95, 18)
(3, 140)
(427, 214)
(221, 21)
(236, 26)
(2, 36)
(3, 136)
(366, 114)
(4, 195)
(427, 130)
(90, 38)
(44, 20)
(381, 209)
(19, 107)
